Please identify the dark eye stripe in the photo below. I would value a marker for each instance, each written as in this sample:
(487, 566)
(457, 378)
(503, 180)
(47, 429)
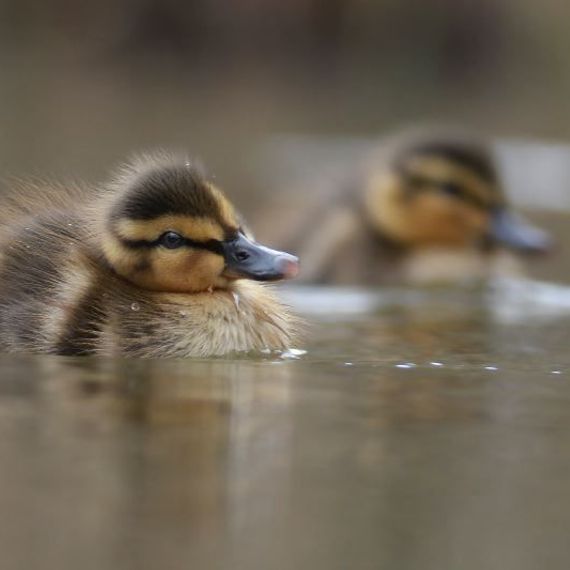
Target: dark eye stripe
(420, 183)
(211, 245)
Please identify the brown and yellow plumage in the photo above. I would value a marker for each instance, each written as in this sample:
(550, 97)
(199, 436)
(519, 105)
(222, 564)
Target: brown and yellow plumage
(153, 264)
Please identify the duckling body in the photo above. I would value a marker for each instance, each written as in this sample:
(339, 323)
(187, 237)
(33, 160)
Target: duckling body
(103, 272)
(421, 209)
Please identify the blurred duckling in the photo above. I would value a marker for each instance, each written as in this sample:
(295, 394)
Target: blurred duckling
(425, 210)
(155, 264)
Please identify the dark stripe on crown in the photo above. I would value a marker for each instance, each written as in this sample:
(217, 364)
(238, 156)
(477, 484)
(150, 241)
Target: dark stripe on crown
(472, 156)
(172, 189)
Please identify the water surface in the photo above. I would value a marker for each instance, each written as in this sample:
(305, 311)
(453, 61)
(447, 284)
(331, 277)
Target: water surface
(420, 430)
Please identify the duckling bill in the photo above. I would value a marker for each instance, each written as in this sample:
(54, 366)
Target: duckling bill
(155, 264)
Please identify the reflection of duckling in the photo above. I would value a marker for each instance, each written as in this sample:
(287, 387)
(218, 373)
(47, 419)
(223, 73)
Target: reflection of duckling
(426, 211)
(148, 266)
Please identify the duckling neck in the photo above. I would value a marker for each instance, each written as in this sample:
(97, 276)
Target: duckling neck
(243, 317)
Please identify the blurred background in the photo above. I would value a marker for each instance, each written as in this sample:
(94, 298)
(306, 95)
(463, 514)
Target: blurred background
(85, 85)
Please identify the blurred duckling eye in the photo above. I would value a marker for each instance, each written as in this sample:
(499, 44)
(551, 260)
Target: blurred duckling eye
(451, 189)
(171, 240)
(456, 191)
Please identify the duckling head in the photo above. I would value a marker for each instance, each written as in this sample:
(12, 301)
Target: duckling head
(166, 228)
(445, 193)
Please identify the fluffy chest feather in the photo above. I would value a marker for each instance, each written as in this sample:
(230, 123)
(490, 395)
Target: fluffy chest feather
(248, 318)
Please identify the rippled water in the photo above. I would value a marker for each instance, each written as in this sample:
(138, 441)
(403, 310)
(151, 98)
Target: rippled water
(420, 430)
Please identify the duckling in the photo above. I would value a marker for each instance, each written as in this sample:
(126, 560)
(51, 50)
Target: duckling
(157, 263)
(425, 209)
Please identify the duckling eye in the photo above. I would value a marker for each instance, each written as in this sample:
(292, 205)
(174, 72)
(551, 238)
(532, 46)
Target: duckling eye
(171, 240)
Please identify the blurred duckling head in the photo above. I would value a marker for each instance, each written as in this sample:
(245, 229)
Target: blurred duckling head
(445, 193)
(166, 228)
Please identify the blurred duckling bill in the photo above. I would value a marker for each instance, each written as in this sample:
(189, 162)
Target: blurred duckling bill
(155, 264)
